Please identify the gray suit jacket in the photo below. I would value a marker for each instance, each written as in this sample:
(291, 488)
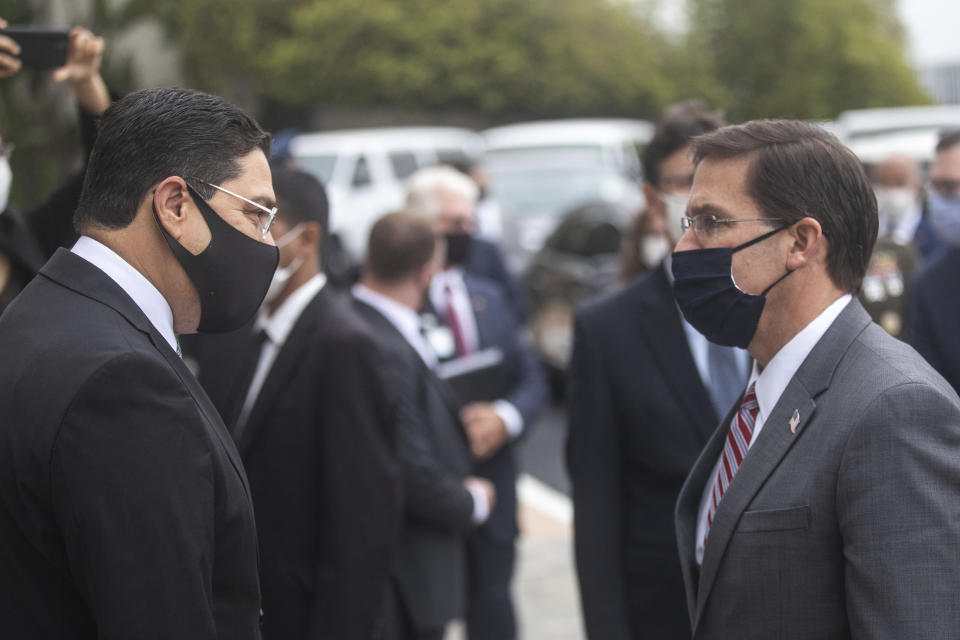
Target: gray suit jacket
(849, 528)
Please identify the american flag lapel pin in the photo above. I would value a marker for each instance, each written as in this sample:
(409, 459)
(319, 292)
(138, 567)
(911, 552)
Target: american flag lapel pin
(794, 421)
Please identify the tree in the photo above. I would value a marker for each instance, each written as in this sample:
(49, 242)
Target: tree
(804, 58)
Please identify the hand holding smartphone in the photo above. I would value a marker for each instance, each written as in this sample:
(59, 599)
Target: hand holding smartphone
(36, 47)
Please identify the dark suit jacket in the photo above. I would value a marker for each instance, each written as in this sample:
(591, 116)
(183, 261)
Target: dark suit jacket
(29, 237)
(431, 562)
(319, 450)
(486, 261)
(124, 508)
(935, 315)
(639, 416)
(497, 327)
(844, 524)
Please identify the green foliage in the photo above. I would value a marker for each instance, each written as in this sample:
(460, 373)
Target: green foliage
(804, 58)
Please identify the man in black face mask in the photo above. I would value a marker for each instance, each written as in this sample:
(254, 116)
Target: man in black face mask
(824, 505)
(478, 318)
(139, 521)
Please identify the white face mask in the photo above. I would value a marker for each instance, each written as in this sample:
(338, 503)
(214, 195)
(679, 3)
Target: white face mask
(653, 249)
(283, 274)
(676, 210)
(894, 204)
(6, 177)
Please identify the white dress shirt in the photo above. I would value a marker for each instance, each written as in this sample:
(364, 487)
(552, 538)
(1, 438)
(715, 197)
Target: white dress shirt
(453, 278)
(135, 284)
(277, 327)
(770, 385)
(407, 322)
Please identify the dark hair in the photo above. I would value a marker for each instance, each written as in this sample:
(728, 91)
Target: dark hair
(400, 244)
(948, 139)
(680, 122)
(150, 135)
(797, 170)
(300, 197)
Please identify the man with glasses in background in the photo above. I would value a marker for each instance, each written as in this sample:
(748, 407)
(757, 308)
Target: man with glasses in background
(125, 511)
(935, 303)
(646, 389)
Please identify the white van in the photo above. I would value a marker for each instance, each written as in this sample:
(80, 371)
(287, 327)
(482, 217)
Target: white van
(539, 171)
(364, 170)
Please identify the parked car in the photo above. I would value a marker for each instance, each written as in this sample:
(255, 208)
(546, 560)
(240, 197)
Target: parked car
(540, 170)
(579, 260)
(364, 170)
(875, 134)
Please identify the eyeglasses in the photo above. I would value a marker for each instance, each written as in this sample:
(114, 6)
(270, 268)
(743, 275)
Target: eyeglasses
(946, 187)
(709, 226)
(271, 213)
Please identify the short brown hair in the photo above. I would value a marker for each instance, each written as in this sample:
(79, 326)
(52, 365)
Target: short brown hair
(798, 170)
(400, 245)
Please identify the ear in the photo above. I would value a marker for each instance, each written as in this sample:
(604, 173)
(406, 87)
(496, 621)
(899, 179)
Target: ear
(653, 199)
(807, 242)
(312, 234)
(179, 216)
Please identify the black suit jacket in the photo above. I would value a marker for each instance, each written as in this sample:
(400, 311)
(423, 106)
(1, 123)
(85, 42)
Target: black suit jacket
(527, 392)
(319, 450)
(639, 416)
(486, 261)
(935, 315)
(435, 457)
(124, 508)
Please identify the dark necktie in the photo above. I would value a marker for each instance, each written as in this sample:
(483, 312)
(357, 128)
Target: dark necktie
(453, 321)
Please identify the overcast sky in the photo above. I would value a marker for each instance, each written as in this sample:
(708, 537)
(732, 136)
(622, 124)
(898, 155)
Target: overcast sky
(933, 27)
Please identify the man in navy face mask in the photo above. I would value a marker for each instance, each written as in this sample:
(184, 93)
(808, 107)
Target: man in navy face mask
(824, 504)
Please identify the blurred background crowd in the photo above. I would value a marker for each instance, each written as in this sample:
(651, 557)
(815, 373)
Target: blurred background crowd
(559, 112)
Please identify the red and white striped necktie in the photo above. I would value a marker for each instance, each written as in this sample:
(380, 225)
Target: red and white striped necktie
(735, 448)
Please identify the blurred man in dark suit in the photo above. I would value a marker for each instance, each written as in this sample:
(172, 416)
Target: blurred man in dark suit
(442, 501)
(935, 307)
(645, 392)
(124, 507)
(28, 238)
(478, 316)
(304, 394)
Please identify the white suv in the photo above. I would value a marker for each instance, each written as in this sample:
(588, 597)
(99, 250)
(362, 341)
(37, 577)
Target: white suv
(364, 170)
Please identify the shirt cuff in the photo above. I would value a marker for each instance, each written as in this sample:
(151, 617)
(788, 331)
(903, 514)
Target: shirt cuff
(481, 508)
(512, 419)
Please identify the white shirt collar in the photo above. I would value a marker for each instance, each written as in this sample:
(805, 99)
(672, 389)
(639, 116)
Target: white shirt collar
(405, 319)
(775, 377)
(279, 325)
(135, 284)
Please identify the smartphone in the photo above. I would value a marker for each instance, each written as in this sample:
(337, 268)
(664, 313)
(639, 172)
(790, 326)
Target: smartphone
(40, 47)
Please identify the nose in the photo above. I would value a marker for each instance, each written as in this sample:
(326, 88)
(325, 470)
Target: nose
(688, 241)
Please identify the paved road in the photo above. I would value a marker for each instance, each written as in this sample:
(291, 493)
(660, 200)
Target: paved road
(545, 589)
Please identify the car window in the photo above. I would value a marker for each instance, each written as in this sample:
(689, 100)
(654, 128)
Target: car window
(320, 166)
(404, 163)
(361, 173)
(452, 157)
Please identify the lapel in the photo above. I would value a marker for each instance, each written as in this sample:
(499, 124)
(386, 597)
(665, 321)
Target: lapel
(80, 276)
(385, 328)
(774, 441)
(661, 328)
(290, 354)
(480, 307)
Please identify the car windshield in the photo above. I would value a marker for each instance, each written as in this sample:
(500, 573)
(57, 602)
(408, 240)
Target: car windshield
(321, 166)
(553, 191)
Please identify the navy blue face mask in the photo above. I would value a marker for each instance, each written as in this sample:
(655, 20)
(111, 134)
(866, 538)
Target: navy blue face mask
(709, 298)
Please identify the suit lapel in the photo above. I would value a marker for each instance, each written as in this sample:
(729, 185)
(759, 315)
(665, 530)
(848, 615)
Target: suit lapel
(82, 277)
(662, 330)
(774, 442)
(288, 358)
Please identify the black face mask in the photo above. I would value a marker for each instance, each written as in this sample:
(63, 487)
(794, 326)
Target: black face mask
(231, 275)
(458, 248)
(710, 299)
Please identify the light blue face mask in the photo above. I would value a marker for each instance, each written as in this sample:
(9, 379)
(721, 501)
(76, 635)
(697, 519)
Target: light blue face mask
(944, 212)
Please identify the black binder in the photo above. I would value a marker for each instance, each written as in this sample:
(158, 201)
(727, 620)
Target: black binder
(478, 377)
